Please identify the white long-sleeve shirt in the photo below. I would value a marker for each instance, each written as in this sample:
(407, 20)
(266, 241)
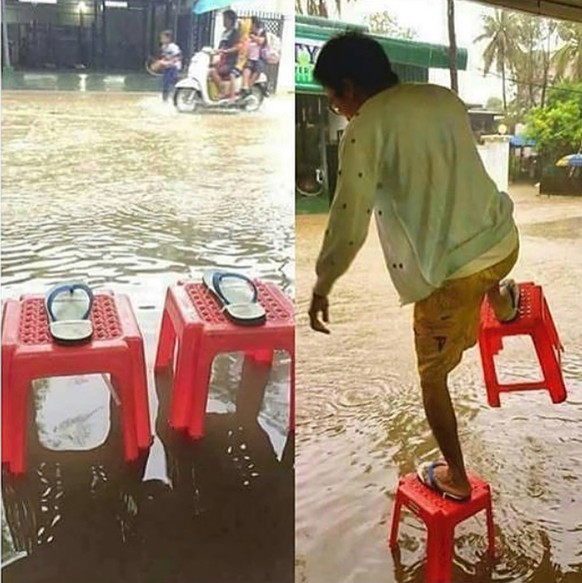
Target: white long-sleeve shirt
(409, 157)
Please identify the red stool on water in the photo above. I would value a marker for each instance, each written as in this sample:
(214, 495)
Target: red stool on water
(440, 517)
(29, 353)
(536, 321)
(193, 319)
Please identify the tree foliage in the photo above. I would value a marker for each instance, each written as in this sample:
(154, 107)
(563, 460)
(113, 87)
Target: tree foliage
(386, 24)
(567, 60)
(557, 127)
(499, 30)
(494, 104)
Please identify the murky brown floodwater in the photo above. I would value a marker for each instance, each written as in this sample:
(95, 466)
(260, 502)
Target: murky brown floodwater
(360, 424)
(122, 192)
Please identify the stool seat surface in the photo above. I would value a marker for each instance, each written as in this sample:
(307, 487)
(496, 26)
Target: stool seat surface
(34, 324)
(432, 502)
(530, 310)
(278, 308)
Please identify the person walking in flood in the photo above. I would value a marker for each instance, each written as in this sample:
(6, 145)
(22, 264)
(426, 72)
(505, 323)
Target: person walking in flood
(408, 156)
(171, 62)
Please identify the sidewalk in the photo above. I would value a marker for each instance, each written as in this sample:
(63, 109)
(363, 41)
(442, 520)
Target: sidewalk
(79, 81)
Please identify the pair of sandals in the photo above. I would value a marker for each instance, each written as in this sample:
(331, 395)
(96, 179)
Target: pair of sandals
(68, 306)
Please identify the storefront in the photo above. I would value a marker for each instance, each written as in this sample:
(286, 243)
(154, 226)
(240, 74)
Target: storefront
(317, 130)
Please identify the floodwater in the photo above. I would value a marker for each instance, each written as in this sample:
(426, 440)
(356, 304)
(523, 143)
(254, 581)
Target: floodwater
(122, 192)
(360, 423)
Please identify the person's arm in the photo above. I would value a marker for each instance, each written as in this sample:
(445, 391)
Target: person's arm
(352, 208)
(236, 42)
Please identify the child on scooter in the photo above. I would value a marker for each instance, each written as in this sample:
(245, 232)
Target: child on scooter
(255, 65)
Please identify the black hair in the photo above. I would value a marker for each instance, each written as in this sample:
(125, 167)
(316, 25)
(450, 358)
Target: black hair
(230, 15)
(168, 33)
(257, 21)
(355, 57)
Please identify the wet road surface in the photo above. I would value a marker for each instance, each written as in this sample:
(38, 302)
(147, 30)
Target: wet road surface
(124, 193)
(360, 423)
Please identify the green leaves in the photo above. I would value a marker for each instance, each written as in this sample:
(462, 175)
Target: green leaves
(557, 128)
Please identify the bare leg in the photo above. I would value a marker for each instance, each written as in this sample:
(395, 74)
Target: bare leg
(246, 77)
(441, 418)
(215, 75)
(232, 94)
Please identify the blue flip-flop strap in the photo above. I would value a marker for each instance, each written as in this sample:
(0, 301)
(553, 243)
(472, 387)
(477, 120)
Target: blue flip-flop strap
(220, 275)
(430, 475)
(69, 288)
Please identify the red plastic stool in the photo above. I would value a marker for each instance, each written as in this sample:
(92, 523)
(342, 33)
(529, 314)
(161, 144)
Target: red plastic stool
(193, 318)
(29, 352)
(440, 516)
(536, 321)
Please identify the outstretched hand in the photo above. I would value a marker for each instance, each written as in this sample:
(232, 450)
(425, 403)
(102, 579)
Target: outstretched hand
(319, 313)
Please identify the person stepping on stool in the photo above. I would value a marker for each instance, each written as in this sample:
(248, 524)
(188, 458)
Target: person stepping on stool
(447, 232)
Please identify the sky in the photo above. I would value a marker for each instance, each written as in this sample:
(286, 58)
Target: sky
(429, 19)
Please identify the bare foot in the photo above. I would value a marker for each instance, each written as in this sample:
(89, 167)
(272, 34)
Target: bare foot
(444, 480)
(509, 293)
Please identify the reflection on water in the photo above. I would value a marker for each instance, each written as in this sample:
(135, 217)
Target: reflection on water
(124, 193)
(360, 424)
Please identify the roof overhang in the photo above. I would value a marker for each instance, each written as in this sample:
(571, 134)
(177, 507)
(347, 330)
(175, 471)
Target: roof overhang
(560, 9)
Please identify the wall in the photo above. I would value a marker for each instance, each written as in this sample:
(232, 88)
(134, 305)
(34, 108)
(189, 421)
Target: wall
(495, 155)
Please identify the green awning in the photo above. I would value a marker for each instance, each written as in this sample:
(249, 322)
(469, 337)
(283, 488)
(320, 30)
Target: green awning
(407, 56)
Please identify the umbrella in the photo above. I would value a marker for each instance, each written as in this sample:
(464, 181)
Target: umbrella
(203, 6)
(571, 160)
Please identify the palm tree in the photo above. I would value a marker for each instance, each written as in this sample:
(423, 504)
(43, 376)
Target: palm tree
(500, 31)
(567, 60)
(452, 46)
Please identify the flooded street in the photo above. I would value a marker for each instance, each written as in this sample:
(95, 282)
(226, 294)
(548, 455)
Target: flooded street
(360, 423)
(122, 192)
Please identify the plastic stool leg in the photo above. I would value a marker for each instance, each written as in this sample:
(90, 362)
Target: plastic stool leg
(292, 395)
(435, 559)
(182, 383)
(19, 425)
(124, 386)
(550, 367)
(446, 554)
(166, 343)
(140, 395)
(7, 393)
(264, 356)
(489, 374)
(396, 512)
(490, 529)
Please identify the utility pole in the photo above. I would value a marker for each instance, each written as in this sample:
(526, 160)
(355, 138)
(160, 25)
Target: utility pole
(5, 43)
(452, 46)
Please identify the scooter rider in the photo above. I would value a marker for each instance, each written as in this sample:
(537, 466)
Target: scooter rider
(228, 49)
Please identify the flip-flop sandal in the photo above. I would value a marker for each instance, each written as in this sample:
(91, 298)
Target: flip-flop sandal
(425, 474)
(68, 307)
(514, 293)
(238, 296)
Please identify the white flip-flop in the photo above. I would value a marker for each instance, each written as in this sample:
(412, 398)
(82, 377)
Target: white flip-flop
(239, 296)
(68, 307)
